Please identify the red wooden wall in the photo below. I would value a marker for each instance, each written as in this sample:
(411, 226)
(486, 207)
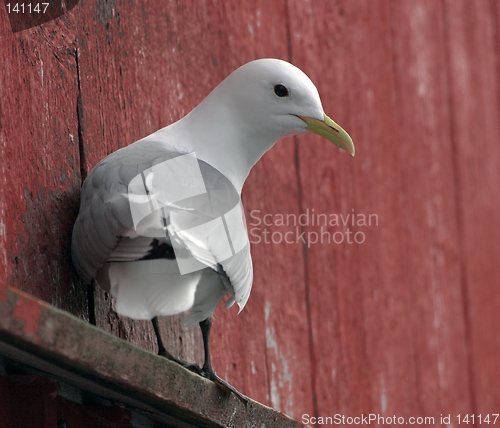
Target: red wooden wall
(405, 323)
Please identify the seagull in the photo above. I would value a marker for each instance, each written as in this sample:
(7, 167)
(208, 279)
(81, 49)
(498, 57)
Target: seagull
(161, 225)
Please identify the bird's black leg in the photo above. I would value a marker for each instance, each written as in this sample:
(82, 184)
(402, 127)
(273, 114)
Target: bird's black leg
(207, 370)
(164, 353)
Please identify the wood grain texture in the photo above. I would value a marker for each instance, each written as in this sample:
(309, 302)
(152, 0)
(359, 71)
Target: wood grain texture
(40, 161)
(405, 322)
(430, 231)
(474, 100)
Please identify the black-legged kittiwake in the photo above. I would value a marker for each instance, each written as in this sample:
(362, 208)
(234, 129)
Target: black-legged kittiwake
(161, 225)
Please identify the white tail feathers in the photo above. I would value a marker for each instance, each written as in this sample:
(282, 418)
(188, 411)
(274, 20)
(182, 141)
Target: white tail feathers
(148, 288)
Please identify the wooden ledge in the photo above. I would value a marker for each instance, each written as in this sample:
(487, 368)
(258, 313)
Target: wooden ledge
(76, 353)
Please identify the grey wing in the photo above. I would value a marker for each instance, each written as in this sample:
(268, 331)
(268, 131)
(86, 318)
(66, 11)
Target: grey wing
(104, 229)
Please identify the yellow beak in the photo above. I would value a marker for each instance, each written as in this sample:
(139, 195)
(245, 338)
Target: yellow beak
(331, 131)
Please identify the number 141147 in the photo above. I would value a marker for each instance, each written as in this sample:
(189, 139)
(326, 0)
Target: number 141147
(489, 418)
(27, 7)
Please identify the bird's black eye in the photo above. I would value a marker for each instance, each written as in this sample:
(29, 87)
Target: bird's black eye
(281, 90)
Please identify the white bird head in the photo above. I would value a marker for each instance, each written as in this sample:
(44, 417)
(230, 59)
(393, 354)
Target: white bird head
(274, 96)
(256, 105)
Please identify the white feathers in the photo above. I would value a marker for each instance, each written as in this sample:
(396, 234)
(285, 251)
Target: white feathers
(148, 288)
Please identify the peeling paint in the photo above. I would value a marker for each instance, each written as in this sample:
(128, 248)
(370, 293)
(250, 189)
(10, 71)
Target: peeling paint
(41, 72)
(286, 378)
(267, 311)
(270, 340)
(180, 94)
(383, 397)
(383, 401)
(275, 395)
(281, 377)
(29, 311)
(25, 308)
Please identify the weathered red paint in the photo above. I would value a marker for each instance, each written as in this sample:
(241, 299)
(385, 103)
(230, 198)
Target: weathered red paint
(28, 311)
(475, 109)
(39, 187)
(404, 323)
(23, 307)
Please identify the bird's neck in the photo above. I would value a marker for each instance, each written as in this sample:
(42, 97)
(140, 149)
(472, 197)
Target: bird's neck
(224, 140)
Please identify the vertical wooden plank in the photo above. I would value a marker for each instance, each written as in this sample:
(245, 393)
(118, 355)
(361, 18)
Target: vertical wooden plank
(40, 166)
(472, 40)
(387, 313)
(335, 40)
(428, 188)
